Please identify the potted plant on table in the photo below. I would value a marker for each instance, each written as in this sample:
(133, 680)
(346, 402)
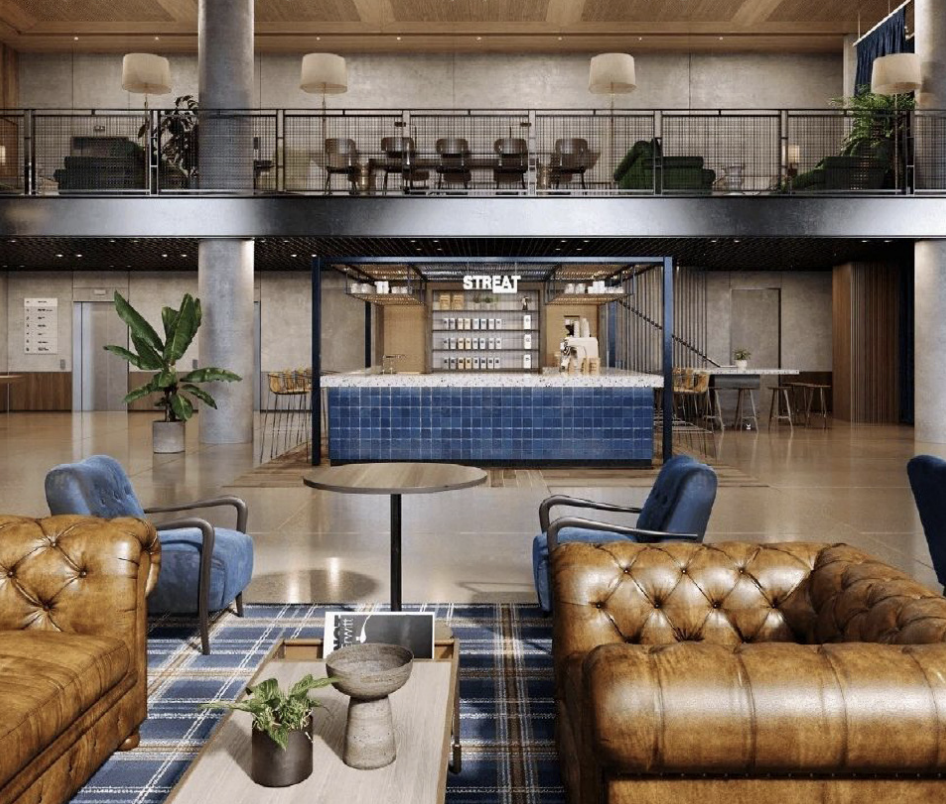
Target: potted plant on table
(282, 729)
(741, 357)
(161, 356)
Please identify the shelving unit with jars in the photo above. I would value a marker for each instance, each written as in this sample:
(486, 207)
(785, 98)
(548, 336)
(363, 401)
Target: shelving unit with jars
(477, 332)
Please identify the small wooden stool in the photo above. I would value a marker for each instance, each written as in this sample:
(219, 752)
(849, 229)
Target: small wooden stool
(822, 411)
(775, 407)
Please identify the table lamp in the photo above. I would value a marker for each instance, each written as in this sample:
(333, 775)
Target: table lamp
(146, 74)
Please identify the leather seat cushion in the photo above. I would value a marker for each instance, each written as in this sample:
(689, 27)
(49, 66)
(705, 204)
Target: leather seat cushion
(47, 680)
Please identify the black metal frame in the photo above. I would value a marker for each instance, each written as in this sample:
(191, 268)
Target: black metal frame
(318, 262)
(208, 536)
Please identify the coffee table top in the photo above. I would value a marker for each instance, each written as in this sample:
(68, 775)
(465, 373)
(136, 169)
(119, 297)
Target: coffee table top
(395, 478)
(421, 711)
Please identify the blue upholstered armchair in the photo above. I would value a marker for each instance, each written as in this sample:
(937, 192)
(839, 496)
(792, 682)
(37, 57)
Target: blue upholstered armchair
(928, 480)
(677, 509)
(203, 568)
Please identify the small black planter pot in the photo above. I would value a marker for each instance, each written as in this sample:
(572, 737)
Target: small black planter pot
(274, 767)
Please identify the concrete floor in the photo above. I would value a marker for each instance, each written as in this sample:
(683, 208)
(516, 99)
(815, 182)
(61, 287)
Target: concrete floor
(847, 484)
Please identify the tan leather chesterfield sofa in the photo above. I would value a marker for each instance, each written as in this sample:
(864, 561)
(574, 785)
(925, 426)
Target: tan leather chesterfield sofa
(746, 674)
(73, 660)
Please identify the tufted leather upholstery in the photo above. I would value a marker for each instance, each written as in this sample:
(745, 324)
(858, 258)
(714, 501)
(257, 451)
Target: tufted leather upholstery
(686, 662)
(73, 656)
(680, 501)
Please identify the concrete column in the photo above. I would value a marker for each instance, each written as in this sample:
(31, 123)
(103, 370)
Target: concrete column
(930, 341)
(225, 272)
(850, 65)
(931, 46)
(225, 288)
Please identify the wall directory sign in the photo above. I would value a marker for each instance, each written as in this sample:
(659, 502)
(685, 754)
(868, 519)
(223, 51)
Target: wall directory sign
(41, 326)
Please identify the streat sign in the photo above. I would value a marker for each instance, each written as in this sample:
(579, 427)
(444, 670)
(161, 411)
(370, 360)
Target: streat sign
(497, 284)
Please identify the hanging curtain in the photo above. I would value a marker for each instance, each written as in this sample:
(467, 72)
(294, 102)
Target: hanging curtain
(889, 37)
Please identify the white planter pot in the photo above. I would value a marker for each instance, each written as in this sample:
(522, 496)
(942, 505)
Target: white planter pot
(742, 365)
(167, 436)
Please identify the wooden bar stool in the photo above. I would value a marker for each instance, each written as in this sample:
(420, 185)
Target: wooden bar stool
(780, 393)
(822, 411)
(741, 416)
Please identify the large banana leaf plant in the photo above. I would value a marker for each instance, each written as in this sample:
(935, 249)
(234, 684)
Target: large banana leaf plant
(161, 356)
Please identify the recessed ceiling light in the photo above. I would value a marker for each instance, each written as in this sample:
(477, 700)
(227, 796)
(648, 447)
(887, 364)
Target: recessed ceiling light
(79, 255)
(888, 241)
(640, 38)
(293, 255)
(318, 39)
(479, 39)
(59, 255)
(13, 241)
(714, 241)
(184, 255)
(157, 39)
(399, 39)
(75, 38)
(737, 241)
(865, 241)
(720, 39)
(560, 39)
(164, 255)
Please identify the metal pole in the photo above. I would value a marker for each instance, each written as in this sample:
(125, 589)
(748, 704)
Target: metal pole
(395, 552)
(668, 359)
(369, 353)
(316, 361)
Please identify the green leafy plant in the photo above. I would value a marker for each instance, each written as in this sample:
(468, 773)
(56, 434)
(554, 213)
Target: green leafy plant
(161, 356)
(177, 135)
(873, 117)
(741, 354)
(277, 713)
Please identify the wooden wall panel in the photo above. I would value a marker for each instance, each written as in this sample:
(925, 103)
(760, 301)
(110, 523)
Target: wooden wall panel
(405, 333)
(40, 391)
(866, 302)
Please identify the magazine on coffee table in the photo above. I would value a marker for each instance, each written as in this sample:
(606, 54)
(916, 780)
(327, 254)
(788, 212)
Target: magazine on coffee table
(413, 630)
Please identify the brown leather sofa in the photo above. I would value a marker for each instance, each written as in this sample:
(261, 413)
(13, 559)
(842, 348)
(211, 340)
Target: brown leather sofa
(73, 657)
(746, 674)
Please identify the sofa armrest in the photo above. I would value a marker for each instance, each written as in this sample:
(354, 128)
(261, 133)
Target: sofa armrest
(700, 708)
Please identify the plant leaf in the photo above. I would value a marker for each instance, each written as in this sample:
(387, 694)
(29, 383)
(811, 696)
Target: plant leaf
(137, 323)
(125, 354)
(185, 328)
(150, 359)
(200, 394)
(169, 319)
(210, 374)
(181, 407)
(138, 393)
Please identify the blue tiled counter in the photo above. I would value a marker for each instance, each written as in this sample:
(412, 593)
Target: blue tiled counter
(495, 425)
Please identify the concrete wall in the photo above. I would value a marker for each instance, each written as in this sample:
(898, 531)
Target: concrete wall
(805, 315)
(285, 313)
(665, 81)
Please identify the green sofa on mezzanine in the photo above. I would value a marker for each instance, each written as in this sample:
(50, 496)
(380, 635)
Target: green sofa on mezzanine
(641, 170)
(866, 167)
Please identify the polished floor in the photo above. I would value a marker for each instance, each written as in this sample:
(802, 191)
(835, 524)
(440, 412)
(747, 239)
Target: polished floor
(847, 484)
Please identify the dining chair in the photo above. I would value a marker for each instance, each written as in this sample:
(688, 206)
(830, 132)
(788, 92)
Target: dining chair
(570, 158)
(341, 158)
(454, 153)
(513, 161)
(203, 568)
(677, 508)
(400, 157)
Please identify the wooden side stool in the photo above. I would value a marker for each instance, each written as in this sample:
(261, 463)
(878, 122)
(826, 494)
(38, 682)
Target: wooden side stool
(780, 393)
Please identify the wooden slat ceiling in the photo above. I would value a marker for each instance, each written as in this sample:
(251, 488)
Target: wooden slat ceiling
(509, 26)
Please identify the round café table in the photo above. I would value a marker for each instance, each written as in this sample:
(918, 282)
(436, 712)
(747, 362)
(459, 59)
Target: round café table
(395, 479)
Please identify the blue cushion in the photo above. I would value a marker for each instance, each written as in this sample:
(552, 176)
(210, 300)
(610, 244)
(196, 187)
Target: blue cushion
(540, 555)
(231, 569)
(97, 486)
(928, 480)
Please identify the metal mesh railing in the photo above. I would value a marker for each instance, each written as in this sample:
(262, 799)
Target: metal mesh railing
(92, 152)
(929, 151)
(13, 155)
(582, 152)
(472, 152)
(338, 152)
(727, 152)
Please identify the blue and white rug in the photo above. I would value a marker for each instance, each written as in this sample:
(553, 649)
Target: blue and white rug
(507, 714)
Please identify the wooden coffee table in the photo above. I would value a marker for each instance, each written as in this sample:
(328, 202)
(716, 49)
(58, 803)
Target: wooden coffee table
(426, 724)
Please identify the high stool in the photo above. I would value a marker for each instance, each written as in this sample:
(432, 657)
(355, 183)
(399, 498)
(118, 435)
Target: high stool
(822, 411)
(775, 408)
(742, 417)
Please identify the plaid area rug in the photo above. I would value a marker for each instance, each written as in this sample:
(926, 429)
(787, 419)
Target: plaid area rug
(506, 708)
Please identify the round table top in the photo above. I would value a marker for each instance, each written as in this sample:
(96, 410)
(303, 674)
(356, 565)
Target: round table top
(395, 478)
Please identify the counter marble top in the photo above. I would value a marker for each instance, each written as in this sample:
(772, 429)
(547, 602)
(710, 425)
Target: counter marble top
(727, 370)
(609, 378)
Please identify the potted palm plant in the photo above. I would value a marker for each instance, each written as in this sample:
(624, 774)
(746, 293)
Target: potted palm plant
(152, 353)
(282, 729)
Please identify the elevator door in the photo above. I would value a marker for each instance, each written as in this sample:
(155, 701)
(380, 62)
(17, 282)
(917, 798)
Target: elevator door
(99, 378)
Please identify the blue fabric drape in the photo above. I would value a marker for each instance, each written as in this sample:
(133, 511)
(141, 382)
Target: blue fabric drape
(890, 37)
